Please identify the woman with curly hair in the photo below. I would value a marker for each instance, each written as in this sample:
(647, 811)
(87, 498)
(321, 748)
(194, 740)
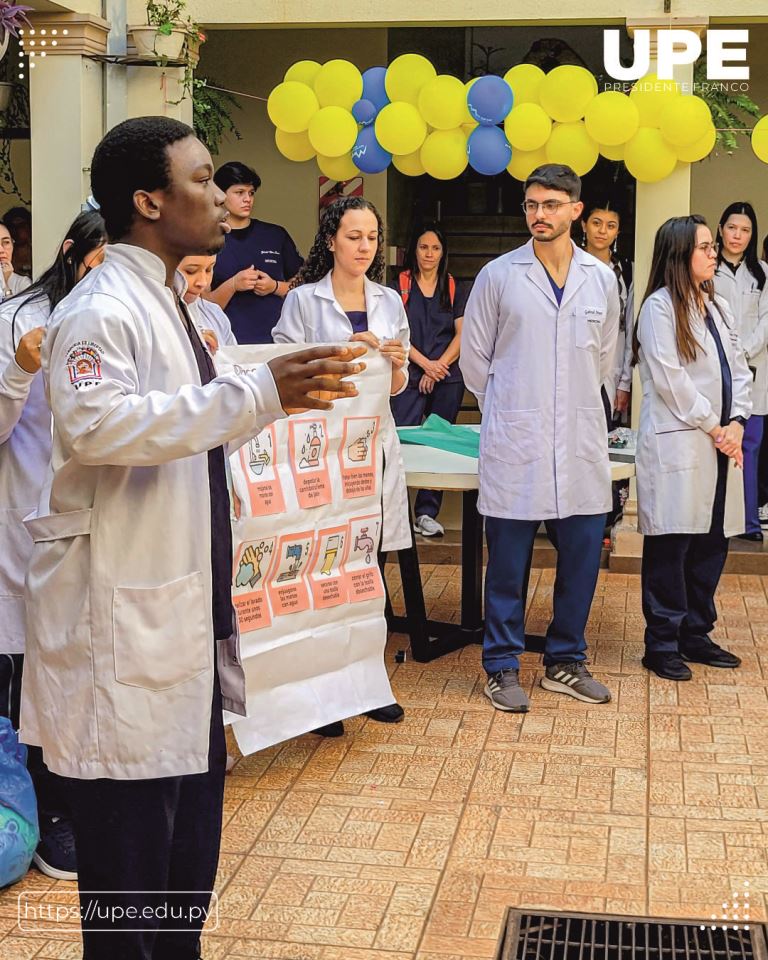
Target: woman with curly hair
(337, 296)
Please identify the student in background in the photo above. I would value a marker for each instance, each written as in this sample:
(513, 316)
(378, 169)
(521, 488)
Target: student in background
(211, 320)
(740, 278)
(19, 222)
(259, 259)
(13, 282)
(690, 497)
(435, 308)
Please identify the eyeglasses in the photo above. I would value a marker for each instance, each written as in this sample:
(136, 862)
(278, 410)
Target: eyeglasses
(707, 247)
(548, 206)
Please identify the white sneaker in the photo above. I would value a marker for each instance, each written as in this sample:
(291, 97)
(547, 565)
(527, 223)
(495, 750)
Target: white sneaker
(762, 515)
(428, 527)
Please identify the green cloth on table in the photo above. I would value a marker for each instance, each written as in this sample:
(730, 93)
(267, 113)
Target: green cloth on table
(436, 432)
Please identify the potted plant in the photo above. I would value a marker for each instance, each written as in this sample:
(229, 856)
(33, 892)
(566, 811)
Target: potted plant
(167, 34)
(13, 16)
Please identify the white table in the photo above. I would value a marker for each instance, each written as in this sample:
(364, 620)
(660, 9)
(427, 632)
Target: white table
(428, 468)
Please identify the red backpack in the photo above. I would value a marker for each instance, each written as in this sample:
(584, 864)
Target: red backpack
(405, 282)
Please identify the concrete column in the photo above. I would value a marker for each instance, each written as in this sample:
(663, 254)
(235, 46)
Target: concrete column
(655, 203)
(66, 118)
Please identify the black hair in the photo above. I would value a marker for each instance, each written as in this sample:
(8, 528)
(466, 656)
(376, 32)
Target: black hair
(593, 204)
(556, 176)
(17, 213)
(320, 258)
(87, 233)
(234, 173)
(750, 253)
(411, 262)
(132, 156)
(764, 256)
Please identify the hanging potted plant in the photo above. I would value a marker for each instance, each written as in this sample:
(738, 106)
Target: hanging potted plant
(167, 35)
(13, 17)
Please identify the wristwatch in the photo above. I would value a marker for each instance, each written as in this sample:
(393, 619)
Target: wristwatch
(741, 420)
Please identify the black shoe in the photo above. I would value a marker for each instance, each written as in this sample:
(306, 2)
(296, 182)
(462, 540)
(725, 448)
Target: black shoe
(668, 666)
(392, 713)
(708, 652)
(55, 854)
(335, 729)
(756, 537)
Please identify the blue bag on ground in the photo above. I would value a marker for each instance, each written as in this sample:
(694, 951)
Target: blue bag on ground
(19, 831)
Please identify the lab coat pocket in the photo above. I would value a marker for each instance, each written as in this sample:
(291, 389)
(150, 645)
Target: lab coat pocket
(161, 636)
(591, 434)
(677, 447)
(587, 327)
(517, 438)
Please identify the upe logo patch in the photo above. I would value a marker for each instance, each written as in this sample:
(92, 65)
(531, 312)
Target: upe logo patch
(84, 364)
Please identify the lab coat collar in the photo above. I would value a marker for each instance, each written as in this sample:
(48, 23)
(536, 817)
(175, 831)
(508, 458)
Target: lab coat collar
(143, 262)
(577, 272)
(373, 291)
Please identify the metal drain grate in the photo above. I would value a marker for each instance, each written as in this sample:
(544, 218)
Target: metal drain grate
(583, 936)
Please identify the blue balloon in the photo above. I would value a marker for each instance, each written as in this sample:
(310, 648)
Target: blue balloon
(368, 155)
(364, 112)
(489, 100)
(488, 150)
(373, 87)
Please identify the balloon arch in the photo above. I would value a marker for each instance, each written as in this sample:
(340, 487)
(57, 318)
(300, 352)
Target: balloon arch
(421, 122)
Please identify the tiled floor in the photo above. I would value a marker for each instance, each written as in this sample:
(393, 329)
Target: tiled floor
(404, 842)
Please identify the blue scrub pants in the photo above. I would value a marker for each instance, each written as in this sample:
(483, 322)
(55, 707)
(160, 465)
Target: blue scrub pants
(578, 541)
(753, 435)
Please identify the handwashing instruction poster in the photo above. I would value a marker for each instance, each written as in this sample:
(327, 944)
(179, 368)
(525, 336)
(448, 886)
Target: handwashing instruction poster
(306, 582)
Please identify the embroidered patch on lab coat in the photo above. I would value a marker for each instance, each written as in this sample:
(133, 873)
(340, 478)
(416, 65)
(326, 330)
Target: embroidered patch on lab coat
(84, 364)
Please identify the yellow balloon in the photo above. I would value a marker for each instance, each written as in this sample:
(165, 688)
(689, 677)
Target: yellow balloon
(338, 84)
(469, 127)
(648, 157)
(527, 126)
(405, 77)
(338, 168)
(333, 131)
(410, 164)
(443, 102)
(525, 80)
(650, 95)
(291, 106)
(305, 71)
(611, 151)
(524, 162)
(294, 146)
(611, 118)
(702, 148)
(760, 139)
(684, 120)
(566, 91)
(571, 144)
(444, 154)
(400, 128)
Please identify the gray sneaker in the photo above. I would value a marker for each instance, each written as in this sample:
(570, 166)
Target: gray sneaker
(505, 693)
(575, 680)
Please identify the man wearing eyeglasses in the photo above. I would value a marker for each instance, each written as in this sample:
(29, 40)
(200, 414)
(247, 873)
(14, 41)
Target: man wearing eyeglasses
(539, 334)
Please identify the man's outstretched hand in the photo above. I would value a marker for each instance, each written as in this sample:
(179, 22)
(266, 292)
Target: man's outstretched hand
(312, 379)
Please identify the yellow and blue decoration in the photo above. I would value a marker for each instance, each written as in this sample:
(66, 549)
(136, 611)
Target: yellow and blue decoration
(419, 121)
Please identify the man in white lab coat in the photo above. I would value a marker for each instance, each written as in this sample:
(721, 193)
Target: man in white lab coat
(132, 644)
(539, 335)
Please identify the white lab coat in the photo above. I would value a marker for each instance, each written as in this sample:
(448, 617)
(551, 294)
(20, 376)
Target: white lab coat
(25, 451)
(676, 459)
(621, 375)
(17, 282)
(749, 306)
(536, 370)
(118, 680)
(311, 314)
(210, 316)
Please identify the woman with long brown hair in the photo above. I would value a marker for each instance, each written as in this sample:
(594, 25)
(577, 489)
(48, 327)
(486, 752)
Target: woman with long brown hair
(696, 399)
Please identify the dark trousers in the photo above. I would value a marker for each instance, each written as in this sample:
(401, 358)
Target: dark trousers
(155, 842)
(679, 576)
(51, 802)
(410, 409)
(762, 475)
(751, 445)
(578, 541)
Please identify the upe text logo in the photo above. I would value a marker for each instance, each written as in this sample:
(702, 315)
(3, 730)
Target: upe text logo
(677, 47)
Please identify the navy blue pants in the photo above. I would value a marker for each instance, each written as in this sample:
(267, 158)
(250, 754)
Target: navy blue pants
(410, 409)
(679, 576)
(578, 541)
(753, 436)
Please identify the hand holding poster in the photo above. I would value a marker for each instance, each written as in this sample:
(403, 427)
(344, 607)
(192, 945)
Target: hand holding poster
(306, 583)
